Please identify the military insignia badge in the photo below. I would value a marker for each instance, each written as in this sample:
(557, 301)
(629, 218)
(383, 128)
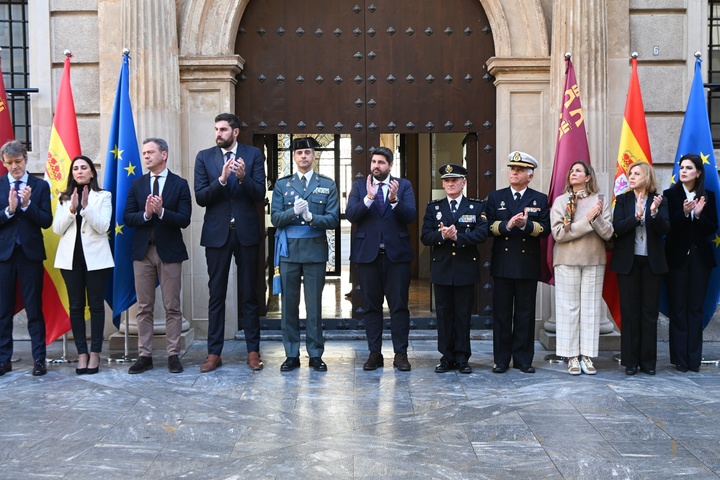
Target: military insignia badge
(502, 205)
(438, 216)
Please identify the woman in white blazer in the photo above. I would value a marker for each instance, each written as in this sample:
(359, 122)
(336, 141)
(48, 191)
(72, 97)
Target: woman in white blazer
(82, 219)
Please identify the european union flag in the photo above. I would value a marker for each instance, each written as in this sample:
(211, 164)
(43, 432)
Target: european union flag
(122, 166)
(696, 138)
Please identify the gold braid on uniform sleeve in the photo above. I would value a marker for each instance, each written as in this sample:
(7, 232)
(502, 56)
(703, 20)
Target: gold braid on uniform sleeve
(537, 229)
(495, 228)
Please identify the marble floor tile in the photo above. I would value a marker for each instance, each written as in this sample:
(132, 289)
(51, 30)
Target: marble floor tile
(348, 423)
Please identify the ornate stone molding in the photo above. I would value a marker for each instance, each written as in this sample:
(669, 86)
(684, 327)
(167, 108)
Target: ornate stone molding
(211, 69)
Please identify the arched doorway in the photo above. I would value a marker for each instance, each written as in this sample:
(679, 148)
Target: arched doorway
(362, 73)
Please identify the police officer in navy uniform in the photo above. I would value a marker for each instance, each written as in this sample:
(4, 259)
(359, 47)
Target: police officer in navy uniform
(518, 217)
(453, 227)
(304, 206)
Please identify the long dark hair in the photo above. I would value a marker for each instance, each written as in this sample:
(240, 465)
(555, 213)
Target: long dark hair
(700, 180)
(72, 184)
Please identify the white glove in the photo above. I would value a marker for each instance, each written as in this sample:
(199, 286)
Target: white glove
(300, 206)
(307, 215)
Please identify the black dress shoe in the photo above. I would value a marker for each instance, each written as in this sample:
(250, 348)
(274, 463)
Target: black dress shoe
(318, 365)
(527, 369)
(499, 369)
(142, 364)
(174, 365)
(290, 364)
(648, 371)
(401, 362)
(5, 367)
(464, 367)
(39, 368)
(680, 368)
(444, 366)
(374, 361)
(694, 369)
(81, 371)
(630, 370)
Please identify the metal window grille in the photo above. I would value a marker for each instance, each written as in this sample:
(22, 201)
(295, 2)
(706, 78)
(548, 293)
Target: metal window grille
(16, 70)
(714, 69)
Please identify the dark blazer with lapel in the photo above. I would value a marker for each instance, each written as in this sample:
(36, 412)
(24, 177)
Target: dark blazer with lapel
(370, 223)
(455, 262)
(177, 203)
(516, 252)
(29, 223)
(686, 232)
(625, 223)
(234, 200)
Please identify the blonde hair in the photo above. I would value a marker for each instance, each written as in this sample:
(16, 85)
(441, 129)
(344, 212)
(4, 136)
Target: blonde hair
(651, 185)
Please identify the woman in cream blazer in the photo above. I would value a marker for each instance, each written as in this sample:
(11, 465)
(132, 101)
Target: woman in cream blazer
(82, 219)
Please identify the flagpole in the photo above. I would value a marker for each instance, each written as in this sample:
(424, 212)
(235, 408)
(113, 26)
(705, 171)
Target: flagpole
(124, 357)
(64, 358)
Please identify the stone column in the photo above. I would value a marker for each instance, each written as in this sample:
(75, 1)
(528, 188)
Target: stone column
(149, 31)
(580, 27)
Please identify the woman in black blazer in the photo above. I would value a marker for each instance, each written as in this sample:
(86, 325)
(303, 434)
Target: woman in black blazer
(693, 218)
(640, 220)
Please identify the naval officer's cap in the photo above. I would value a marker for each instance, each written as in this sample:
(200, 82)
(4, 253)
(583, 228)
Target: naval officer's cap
(522, 159)
(452, 170)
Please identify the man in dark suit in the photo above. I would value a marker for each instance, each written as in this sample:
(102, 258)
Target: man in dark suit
(518, 217)
(453, 227)
(304, 207)
(382, 207)
(24, 212)
(158, 208)
(229, 182)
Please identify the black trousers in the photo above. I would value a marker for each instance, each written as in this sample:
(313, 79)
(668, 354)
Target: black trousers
(18, 269)
(513, 321)
(686, 295)
(453, 305)
(218, 262)
(639, 301)
(79, 282)
(385, 279)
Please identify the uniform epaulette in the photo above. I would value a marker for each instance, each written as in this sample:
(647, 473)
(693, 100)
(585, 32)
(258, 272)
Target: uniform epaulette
(479, 200)
(324, 176)
(286, 176)
(436, 200)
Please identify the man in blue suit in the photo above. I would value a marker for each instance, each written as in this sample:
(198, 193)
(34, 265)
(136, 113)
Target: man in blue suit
(304, 207)
(158, 208)
(381, 207)
(229, 182)
(24, 212)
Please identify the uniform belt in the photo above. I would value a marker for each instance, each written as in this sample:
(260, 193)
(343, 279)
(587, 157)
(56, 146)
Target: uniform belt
(381, 251)
(232, 225)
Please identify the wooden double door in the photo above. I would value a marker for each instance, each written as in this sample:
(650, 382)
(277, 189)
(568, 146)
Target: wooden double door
(368, 71)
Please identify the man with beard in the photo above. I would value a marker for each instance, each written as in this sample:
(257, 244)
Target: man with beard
(229, 181)
(382, 207)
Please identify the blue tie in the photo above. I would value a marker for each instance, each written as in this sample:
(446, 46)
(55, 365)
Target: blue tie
(380, 197)
(17, 193)
(453, 208)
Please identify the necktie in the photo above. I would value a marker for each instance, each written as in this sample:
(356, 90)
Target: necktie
(380, 197)
(517, 197)
(228, 156)
(303, 182)
(17, 192)
(156, 185)
(453, 208)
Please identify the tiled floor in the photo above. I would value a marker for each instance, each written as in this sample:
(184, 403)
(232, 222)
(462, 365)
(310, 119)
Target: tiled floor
(347, 423)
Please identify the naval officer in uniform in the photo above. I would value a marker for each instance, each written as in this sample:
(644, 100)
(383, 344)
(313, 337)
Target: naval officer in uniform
(518, 217)
(304, 207)
(453, 227)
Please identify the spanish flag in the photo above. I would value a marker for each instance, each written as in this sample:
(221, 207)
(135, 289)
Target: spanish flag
(64, 146)
(634, 146)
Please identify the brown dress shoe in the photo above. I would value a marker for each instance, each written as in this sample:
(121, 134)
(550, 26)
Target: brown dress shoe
(211, 363)
(374, 361)
(254, 361)
(401, 362)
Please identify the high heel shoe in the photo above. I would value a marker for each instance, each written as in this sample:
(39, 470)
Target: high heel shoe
(83, 370)
(96, 369)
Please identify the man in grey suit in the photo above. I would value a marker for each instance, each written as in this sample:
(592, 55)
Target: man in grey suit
(304, 206)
